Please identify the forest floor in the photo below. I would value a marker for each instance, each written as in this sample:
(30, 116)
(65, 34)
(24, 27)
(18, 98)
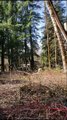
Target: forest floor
(36, 96)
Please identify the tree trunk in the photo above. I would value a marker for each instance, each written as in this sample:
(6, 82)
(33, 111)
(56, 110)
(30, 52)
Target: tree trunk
(25, 45)
(48, 46)
(8, 48)
(8, 57)
(25, 52)
(55, 50)
(56, 18)
(31, 52)
(12, 62)
(53, 18)
(2, 57)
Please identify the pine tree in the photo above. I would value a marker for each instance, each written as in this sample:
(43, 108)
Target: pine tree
(33, 31)
(16, 26)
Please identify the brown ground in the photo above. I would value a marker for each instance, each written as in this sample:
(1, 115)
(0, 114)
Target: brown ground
(12, 93)
(10, 83)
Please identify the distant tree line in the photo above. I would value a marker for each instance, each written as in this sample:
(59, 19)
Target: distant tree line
(19, 21)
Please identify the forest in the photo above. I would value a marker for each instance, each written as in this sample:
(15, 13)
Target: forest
(33, 60)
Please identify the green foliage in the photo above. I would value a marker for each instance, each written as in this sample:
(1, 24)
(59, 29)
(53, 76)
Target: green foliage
(15, 23)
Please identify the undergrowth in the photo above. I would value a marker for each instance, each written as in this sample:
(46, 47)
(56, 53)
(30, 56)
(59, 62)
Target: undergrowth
(39, 102)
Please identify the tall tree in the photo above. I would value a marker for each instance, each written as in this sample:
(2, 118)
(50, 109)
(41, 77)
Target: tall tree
(35, 17)
(56, 24)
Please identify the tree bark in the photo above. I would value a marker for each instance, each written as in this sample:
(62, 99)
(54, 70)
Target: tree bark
(55, 50)
(53, 18)
(2, 57)
(2, 52)
(56, 18)
(26, 52)
(48, 46)
(31, 52)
